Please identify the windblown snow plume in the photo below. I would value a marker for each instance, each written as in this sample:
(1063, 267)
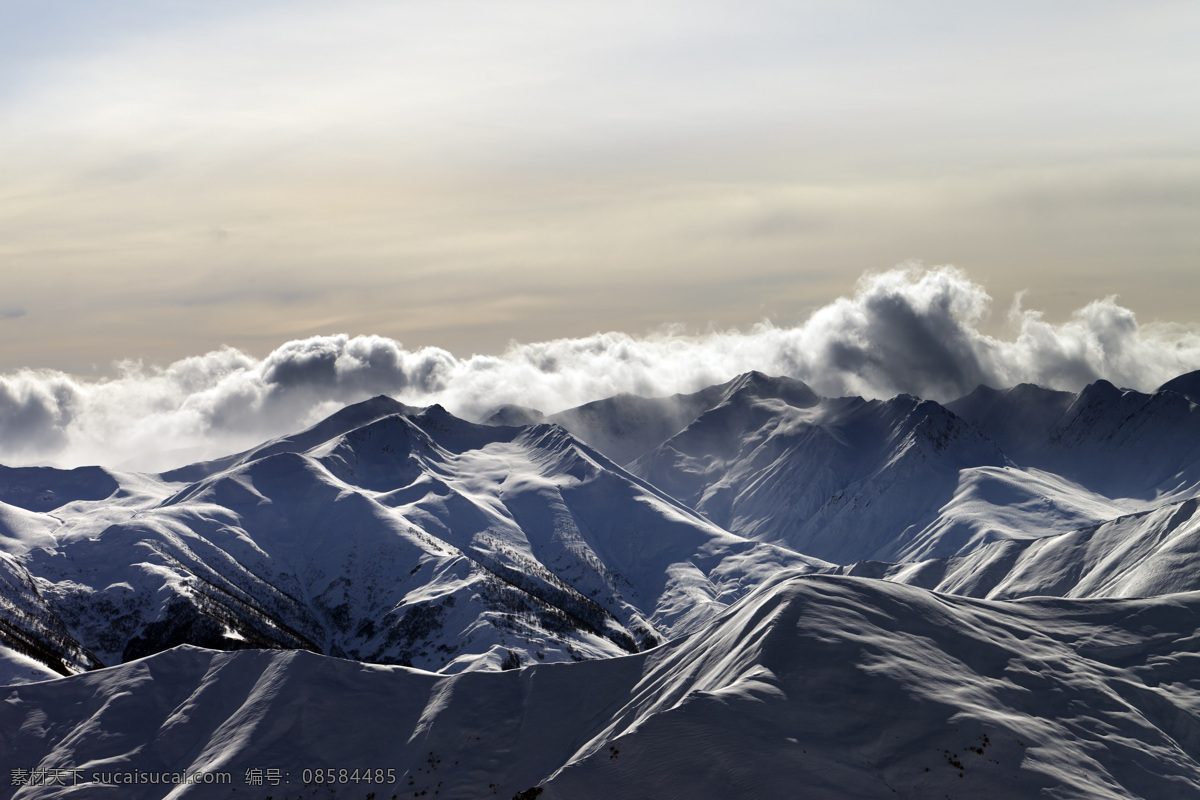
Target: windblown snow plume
(909, 329)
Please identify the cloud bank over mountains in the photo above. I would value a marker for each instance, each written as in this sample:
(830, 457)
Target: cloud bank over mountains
(909, 329)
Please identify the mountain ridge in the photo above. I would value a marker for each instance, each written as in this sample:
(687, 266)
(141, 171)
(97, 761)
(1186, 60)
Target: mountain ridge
(504, 610)
(528, 543)
(952, 696)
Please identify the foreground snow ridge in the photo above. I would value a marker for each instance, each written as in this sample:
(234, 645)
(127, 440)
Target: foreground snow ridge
(623, 600)
(824, 686)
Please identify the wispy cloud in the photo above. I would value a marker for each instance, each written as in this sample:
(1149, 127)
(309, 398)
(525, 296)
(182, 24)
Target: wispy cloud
(909, 329)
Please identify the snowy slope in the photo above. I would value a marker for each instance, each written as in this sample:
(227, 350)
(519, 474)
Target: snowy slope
(46, 488)
(1116, 442)
(1187, 385)
(815, 687)
(30, 623)
(625, 426)
(387, 536)
(30, 628)
(842, 479)
(17, 668)
(336, 424)
(905, 479)
(1139, 555)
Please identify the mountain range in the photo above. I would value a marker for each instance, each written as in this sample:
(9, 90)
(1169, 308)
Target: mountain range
(751, 588)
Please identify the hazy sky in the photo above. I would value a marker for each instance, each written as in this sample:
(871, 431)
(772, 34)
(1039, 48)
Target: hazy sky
(177, 176)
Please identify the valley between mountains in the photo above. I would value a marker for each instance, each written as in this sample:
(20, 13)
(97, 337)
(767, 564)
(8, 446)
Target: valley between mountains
(751, 590)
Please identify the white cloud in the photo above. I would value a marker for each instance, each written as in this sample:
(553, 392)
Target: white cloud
(909, 330)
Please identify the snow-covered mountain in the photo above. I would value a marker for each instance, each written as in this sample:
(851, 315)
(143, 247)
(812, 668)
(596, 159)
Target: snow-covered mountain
(1186, 385)
(845, 479)
(1139, 555)
(380, 534)
(1115, 442)
(392, 534)
(762, 602)
(625, 426)
(820, 687)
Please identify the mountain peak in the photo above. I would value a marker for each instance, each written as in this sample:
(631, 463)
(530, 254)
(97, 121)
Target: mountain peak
(1102, 386)
(514, 415)
(367, 411)
(1187, 385)
(757, 384)
(342, 421)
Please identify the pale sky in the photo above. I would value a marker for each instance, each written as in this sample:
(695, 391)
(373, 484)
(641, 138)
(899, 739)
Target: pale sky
(178, 176)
